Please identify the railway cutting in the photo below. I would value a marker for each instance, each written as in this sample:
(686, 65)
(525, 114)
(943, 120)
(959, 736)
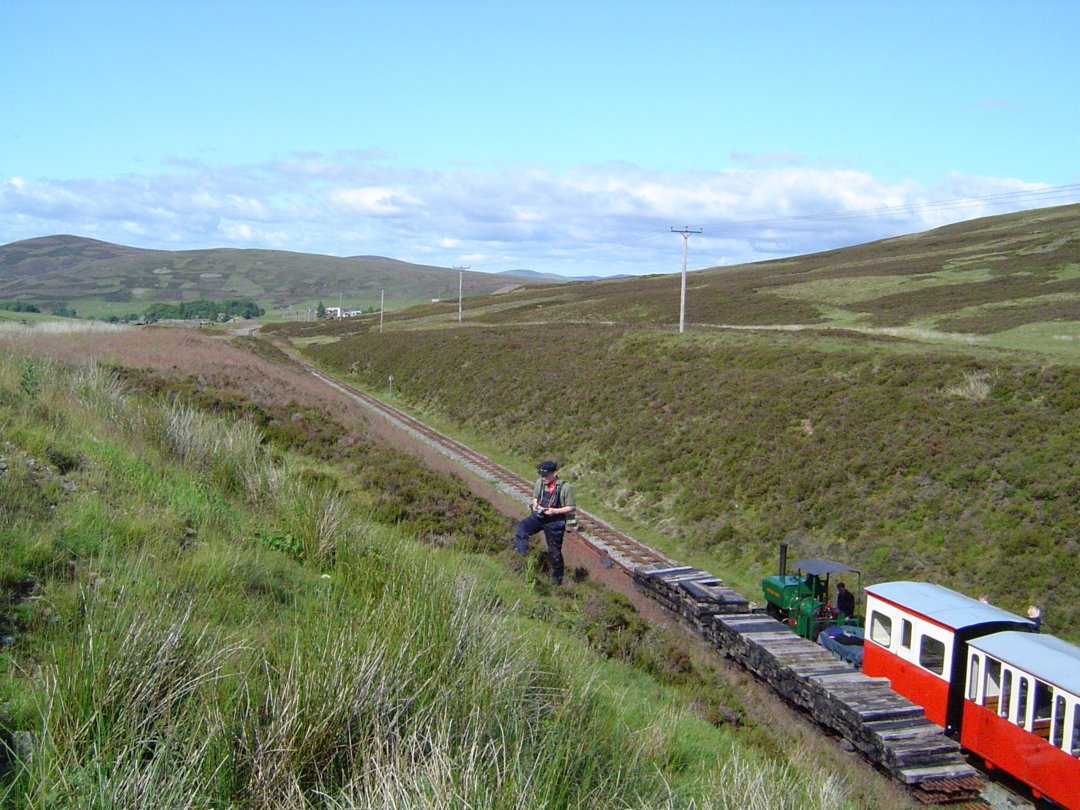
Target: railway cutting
(887, 729)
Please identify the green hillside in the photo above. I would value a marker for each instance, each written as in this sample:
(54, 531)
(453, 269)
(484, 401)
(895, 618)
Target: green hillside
(910, 406)
(266, 608)
(97, 278)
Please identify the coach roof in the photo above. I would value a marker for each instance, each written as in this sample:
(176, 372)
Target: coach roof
(1047, 658)
(943, 605)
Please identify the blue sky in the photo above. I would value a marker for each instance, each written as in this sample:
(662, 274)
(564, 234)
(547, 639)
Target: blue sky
(558, 137)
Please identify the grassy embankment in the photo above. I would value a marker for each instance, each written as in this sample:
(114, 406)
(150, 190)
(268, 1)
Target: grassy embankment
(956, 465)
(193, 618)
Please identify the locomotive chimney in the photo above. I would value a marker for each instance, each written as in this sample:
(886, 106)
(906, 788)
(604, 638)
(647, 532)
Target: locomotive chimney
(783, 560)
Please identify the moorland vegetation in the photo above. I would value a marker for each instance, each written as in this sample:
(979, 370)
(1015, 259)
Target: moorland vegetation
(217, 590)
(911, 407)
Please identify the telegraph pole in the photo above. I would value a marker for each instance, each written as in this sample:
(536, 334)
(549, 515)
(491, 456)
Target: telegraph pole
(686, 231)
(461, 275)
(382, 306)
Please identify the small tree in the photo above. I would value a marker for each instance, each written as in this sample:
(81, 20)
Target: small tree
(320, 311)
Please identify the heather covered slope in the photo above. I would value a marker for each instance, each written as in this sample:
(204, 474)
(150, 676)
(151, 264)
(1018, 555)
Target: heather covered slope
(1011, 281)
(944, 465)
(889, 405)
(95, 277)
(264, 608)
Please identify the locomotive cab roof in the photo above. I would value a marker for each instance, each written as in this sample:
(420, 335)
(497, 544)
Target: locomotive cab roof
(943, 605)
(821, 568)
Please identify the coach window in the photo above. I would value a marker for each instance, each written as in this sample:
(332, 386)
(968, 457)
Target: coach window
(880, 629)
(1075, 744)
(973, 677)
(1043, 707)
(1006, 694)
(932, 654)
(1023, 690)
(1057, 730)
(905, 634)
(992, 689)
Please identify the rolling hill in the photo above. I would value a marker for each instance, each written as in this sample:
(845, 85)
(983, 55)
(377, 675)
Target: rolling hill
(1014, 274)
(96, 277)
(1010, 281)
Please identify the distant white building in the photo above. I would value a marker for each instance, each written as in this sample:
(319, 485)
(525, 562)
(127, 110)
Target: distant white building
(343, 312)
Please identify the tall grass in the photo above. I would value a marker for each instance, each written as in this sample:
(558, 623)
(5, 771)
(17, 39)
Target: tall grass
(10, 330)
(320, 517)
(99, 388)
(127, 712)
(155, 670)
(229, 452)
(975, 386)
(150, 707)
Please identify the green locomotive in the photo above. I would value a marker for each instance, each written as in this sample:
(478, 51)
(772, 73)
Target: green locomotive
(802, 599)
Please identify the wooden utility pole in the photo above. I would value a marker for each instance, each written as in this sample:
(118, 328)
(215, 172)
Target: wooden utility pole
(682, 298)
(460, 279)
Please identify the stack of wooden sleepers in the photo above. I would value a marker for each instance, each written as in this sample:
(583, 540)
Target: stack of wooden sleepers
(887, 728)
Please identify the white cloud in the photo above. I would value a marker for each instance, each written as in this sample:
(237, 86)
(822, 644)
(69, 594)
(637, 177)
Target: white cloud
(374, 200)
(600, 219)
(237, 233)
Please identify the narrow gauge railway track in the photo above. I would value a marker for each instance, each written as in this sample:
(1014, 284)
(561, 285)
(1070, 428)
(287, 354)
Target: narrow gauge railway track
(605, 539)
(890, 731)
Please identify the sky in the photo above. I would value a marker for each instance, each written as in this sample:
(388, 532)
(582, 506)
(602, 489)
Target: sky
(560, 137)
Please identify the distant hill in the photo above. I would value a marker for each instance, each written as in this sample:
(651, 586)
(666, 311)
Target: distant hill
(97, 277)
(554, 276)
(1015, 273)
(1010, 272)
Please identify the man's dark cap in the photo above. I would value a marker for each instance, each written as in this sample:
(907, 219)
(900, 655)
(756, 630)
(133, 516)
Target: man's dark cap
(546, 467)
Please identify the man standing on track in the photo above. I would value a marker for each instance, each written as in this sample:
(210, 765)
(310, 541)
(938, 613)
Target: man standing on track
(552, 505)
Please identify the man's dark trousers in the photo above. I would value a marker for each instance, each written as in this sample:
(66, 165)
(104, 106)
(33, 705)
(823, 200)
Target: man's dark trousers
(553, 529)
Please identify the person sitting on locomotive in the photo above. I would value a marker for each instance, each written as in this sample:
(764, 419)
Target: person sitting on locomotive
(845, 600)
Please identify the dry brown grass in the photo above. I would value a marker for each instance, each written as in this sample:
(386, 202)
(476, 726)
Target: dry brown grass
(208, 358)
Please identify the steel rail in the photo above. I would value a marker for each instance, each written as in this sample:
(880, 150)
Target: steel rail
(604, 538)
(596, 533)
